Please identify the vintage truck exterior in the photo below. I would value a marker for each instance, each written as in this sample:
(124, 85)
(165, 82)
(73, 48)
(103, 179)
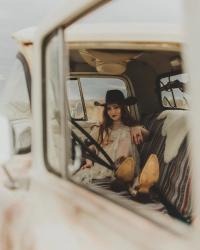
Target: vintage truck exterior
(42, 208)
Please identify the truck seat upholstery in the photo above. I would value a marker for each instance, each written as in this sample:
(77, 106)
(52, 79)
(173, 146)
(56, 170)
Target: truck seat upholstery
(174, 184)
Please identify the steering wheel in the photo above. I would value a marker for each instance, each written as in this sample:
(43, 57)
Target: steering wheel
(89, 153)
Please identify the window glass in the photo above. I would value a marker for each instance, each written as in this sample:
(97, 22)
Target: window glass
(53, 130)
(172, 89)
(74, 99)
(14, 100)
(15, 104)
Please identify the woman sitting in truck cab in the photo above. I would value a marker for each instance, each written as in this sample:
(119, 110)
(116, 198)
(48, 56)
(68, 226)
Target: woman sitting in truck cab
(119, 135)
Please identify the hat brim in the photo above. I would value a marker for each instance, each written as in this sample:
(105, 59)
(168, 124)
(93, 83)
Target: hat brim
(131, 100)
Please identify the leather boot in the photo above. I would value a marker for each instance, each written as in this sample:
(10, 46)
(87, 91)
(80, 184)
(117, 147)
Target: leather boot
(125, 171)
(149, 175)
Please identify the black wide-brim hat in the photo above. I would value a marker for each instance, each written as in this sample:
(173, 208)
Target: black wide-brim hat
(116, 96)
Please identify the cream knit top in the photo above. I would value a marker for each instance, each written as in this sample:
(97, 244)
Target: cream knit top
(118, 144)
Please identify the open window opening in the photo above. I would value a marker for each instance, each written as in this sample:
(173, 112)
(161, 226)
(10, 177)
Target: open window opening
(86, 88)
(140, 70)
(97, 68)
(173, 90)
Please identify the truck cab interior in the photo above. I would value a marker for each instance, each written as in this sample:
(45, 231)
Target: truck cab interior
(157, 80)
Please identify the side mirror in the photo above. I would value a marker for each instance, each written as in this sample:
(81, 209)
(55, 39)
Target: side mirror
(8, 147)
(6, 140)
(22, 135)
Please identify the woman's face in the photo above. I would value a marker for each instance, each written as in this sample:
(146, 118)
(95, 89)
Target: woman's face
(114, 112)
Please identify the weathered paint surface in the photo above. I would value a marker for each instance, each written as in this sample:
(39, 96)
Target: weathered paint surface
(55, 214)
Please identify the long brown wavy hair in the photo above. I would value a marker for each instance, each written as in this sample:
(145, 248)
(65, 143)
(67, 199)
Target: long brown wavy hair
(107, 122)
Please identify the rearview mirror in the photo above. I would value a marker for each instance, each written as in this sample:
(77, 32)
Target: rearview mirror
(6, 141)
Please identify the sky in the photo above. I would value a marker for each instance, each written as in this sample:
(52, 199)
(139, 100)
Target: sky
(19, 14)
(16, 15)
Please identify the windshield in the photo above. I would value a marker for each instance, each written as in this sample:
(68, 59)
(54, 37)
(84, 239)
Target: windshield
(14, 101)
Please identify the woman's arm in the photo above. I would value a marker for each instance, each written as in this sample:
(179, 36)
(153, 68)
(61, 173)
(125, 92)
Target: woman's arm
(139, 134)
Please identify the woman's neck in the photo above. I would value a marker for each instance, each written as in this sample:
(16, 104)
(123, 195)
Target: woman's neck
(117, 124)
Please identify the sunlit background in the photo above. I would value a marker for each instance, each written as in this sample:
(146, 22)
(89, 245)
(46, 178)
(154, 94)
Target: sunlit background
(16, 15)
(19, 14)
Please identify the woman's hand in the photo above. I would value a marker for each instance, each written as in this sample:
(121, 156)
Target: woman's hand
(138, 133)
(88, 164)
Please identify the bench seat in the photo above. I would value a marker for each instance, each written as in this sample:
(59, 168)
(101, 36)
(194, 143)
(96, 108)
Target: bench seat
(174, 184)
